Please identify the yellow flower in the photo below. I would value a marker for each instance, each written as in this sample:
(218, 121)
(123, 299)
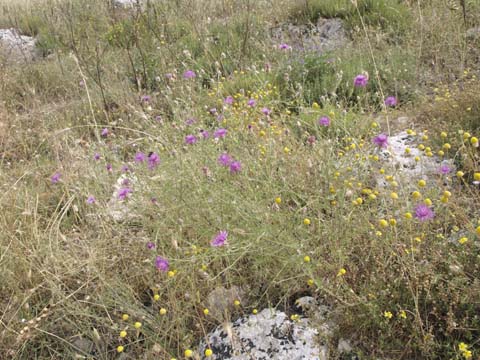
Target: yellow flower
(278, 200)
(463, 240)
(476, 176)
(294, 317)
(428, 202)
(188, 353)
(392, 222)
(163, 311)
(460, 174)
(123, 333)
(474, 140)
(402, 314)
(306, 259)
(477, 230)
(443, 134)
(467, 354)
(447, 146)
(408, 215)
(440, 153)
(138, 325)
(383, 223)
(254, 311)
(422, 183)
(208, 352)
(286, 150)
(341, 272)
(388, 314)
(156, 297)
(205, 311)
(462, 347)
(120, 348)
(236, 303)
(306, 221)
(310, 282)
(394, 196)
(125, 317)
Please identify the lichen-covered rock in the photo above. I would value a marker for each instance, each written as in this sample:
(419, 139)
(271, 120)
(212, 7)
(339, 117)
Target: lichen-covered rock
(15, 48)
(268, 335)
(404, 166)
(325, 35)
(125, 4)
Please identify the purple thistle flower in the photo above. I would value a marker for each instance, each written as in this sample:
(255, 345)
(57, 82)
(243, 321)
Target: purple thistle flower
(96, 156)
(423, 212)
(391, 101)
(228, 100)
(146, 98)
(381, 140)
(161, 264)
(445, 169)
(153, 160)
(123, 193)
(125, 168)
(190, 121)
(360, 81)
(189, 74)
(252, 102)
(284, 47)
(235, 167)
(205, 134)
(104, 132)
(150, 245)
(224, 159)
(220, 133)
(220, 239)
(91, 200)
(190, 139)
(109, 167)
(324, 121)
(140, 157)
(55, 178)
(266, 111)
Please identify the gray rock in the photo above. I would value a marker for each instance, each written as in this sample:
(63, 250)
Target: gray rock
(268, 335)
(325, 35)
(15, 48)
(125, 4)
(407, 171)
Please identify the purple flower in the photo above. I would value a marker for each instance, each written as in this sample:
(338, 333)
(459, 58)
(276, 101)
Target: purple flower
(91, 200)
(228, 100)
(189, 74)
(159, 119)
(445, 169)
(205, 134)
(140, 157)
(219, 239)
(161, 264)
(220, 133)
(251, 102)
(150, 245)
(190, 121)
(391, 101)
(96, 156)
(104, 132)
(153, 160)
(235, 167)
(360, 81)
(423, 212)
(55, 178)
(324, 121)
(123, 193)
(146, 98)
(224, 159)
(190, 139)
(381, 140)
(109, 167)
(125, 169)
(284, 47)
(266, 111)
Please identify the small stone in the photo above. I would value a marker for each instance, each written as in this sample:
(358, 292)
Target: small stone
(16, 48)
